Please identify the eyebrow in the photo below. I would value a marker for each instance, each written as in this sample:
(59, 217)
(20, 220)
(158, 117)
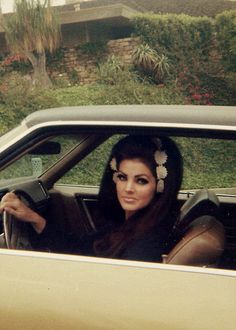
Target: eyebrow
(136, 176)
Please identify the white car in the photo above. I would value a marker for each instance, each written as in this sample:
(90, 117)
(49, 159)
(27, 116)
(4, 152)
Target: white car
(54, 160)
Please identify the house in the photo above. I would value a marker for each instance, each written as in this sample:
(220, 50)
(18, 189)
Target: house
(78, 26)
(89, 25)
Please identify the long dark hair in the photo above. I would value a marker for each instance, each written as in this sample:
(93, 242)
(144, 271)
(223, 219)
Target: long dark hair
(163, 209)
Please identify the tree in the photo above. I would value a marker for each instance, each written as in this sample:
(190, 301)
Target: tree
(32, 30)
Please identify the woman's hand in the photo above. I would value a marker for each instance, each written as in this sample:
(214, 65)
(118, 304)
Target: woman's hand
(14, 206)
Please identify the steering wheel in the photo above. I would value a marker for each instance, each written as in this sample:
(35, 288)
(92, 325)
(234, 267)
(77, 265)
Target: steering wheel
(16, 233)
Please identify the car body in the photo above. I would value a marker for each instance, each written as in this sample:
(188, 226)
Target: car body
(65, 291)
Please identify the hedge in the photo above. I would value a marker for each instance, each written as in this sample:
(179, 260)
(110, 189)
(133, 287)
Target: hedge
(181, 38)
(225, 25)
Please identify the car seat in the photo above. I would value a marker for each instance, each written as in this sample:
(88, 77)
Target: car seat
(199, 236)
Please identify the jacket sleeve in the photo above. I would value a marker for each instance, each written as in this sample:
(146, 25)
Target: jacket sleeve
(52, 239)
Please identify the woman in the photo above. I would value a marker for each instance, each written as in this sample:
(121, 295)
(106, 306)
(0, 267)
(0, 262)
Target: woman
(137, 202)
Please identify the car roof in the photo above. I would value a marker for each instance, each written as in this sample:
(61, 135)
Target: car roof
(179, 120)
(180, 115)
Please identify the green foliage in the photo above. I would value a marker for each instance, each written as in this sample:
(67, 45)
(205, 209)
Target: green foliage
(89, 171)
(129, 92)
(204, 88)
(39, 99)
(60, 81)
(226, 37)
(33, 27)
(2, 71)
(181, 38)
(55, 60)
(68, 79)
(188, 47)
(154, 65)
(21, 66)
(16, 62)
(74, 77)
(17, 99)
(161, 69)
(205, 163)
(145, 57)
(14, 90)
(230, 79)
(112, 71)
(6, 119)
(93, 49)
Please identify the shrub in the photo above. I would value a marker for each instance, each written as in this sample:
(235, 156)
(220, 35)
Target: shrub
(19, 99)
(128, 92)
(181, 38)
(161, 68)
(144, 57)
(14, 89)
(113, 71)
(6, 119)
(203, 87)
(231, 80)
(17, 62)
(2, 71)
(188, 51)
(61, 80)
(74, 77)
(93, 49)
(226, 37)
(150, 63)
(55, 60)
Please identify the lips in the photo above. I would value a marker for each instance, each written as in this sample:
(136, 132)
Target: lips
(128, 199)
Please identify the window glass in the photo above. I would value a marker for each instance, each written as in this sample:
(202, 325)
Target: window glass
(32, 164)
(90, 169)
(208, 163)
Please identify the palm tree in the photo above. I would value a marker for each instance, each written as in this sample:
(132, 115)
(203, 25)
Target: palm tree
(32, 30)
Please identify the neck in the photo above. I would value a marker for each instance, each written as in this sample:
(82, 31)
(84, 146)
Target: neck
(128, 214)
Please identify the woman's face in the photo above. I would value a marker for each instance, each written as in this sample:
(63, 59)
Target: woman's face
(135, 186)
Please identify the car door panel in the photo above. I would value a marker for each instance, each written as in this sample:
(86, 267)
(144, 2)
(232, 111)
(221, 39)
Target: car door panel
(72, 292)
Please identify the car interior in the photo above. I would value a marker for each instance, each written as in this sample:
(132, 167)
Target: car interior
(199, 236)
(205, 234)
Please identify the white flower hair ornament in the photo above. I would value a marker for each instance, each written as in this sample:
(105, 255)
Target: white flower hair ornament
(160, 157)
(113, 164)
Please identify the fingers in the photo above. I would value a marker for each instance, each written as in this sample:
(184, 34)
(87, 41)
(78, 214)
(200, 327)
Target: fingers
(9, 201)
(8, 196)
(13, 205)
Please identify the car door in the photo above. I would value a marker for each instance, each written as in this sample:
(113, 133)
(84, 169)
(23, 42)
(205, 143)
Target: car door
(72, 292)
(59, 291)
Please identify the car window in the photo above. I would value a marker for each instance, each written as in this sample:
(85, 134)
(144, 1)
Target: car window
(208, 163)
(90, 169)
(34, 164)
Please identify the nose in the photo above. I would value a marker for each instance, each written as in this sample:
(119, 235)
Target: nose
(129, 187)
